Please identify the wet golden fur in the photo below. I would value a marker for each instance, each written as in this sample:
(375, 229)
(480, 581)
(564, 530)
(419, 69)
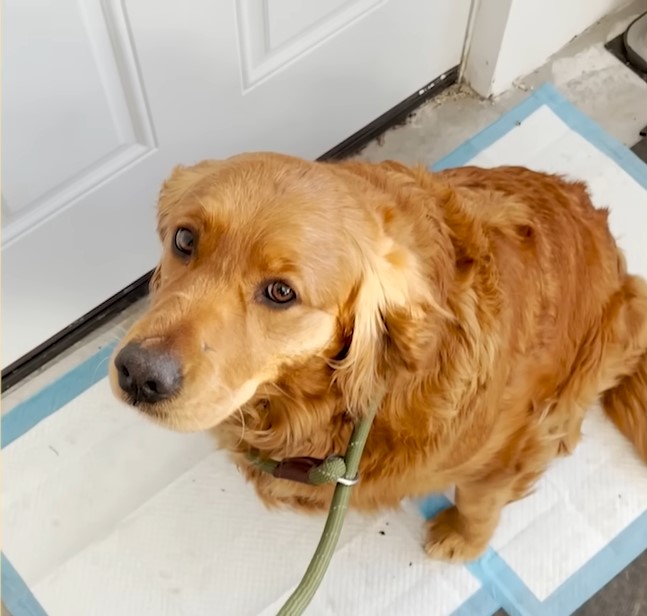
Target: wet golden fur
(494, 305)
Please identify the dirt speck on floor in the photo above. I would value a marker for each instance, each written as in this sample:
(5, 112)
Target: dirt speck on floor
(453, 93)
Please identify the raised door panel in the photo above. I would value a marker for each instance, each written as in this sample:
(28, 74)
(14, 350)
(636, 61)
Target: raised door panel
(74, 110)
(274, 33)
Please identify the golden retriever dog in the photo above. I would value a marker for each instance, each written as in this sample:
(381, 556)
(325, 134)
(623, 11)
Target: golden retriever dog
(492, 305)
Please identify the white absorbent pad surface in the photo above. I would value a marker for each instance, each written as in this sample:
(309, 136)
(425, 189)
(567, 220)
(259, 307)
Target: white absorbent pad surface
(105, 513)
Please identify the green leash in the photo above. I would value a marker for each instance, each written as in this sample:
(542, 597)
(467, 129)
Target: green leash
(342, 471)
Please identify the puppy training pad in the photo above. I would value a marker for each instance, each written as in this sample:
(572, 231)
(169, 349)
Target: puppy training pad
(105, 513)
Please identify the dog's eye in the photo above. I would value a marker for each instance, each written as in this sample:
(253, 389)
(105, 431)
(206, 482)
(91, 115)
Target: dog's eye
(184, 241)
(278, 292)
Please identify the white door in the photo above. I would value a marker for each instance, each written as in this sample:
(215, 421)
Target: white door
(101, 98)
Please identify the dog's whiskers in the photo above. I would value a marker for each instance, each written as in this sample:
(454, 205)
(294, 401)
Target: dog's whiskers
(100, 365)
(242, 426)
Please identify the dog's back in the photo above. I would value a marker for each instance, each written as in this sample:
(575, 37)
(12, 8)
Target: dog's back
(579, 319)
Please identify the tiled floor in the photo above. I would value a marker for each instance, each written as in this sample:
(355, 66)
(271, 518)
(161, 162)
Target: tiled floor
(586, 74)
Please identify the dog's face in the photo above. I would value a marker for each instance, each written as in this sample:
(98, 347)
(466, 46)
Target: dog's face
(267, 261)
(257, 269)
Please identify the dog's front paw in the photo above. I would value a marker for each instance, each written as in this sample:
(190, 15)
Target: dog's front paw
(448, 540)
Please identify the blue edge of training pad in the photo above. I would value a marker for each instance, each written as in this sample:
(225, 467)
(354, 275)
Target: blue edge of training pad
(501, 586)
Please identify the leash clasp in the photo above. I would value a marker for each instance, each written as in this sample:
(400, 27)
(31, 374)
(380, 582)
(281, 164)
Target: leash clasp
(345, 481)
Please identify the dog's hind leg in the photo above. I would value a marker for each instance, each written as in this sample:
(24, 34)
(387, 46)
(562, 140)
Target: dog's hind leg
(624, 382)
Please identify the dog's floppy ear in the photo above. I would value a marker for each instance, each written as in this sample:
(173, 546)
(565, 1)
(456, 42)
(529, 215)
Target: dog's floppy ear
(358, 373)
(390, 318)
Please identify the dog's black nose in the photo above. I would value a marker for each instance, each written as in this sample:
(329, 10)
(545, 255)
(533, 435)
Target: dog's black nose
(147, 375)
